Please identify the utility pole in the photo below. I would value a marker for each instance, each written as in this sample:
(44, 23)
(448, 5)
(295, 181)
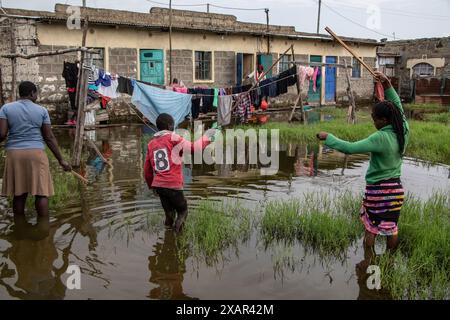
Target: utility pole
(268, 37)
(318, 17)
(170, 41)
(207, 8)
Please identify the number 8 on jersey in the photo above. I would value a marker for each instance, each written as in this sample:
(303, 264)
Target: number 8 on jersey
(161, 159)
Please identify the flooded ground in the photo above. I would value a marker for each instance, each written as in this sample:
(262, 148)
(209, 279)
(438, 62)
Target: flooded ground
(115, 233)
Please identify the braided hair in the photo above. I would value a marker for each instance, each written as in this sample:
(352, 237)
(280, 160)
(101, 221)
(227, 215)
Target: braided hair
(386, 109)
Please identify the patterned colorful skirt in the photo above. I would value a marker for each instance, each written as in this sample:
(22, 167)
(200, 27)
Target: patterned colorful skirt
(381, 207)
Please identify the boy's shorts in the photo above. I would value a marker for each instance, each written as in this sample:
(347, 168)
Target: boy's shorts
(172, 200)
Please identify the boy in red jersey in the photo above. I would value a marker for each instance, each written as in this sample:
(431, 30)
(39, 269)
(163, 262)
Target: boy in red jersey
(163, 168)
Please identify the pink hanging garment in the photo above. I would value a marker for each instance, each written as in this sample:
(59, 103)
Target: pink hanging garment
(316, 71)
(379, 91)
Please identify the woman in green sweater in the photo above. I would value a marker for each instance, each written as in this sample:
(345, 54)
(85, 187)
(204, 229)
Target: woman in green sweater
(384, 193)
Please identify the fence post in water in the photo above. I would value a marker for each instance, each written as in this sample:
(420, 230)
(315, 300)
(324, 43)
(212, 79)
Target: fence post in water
(299, 92)
(351, 99)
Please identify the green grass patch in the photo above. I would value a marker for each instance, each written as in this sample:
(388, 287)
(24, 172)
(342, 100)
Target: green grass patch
(326, 226)
(420, 268)
(438, 117)
(425, 107)
(213, 227)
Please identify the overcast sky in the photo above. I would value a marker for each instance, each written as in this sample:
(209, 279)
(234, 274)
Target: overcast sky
(376, 19)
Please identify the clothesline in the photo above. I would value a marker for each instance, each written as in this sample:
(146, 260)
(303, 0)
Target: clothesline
(199, 95)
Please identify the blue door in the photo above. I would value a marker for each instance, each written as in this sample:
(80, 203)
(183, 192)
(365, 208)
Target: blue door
(152, 66)
(330, 80)
(239, 68)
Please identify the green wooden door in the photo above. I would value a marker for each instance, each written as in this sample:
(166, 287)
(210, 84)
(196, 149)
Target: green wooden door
(152, 66)
(314, 96)
(266, 61)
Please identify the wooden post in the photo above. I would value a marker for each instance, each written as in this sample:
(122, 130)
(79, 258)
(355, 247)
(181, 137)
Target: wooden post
(2, 100)
(299, 92)
(351, 99)
(170, 42)
(81, 100)
(268, 37)
(13, 62)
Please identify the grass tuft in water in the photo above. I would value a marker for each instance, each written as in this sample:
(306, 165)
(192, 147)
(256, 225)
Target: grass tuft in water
(328, 227)
(213, 227)
(419, 269)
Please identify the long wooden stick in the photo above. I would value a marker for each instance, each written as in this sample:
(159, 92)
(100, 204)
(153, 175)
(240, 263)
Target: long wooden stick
(353, 53)
(79, 176)
(47, 53)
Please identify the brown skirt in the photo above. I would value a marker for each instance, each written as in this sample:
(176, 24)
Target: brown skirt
(27, 171)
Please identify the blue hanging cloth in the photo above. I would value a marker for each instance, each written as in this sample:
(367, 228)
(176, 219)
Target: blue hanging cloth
(152, 101)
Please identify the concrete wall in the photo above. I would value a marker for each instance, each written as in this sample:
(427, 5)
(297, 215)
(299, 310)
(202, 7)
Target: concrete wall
(26, 42)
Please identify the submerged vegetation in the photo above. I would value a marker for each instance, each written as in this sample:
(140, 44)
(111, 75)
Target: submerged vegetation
(420, 267)
(213, 227)
(326, 226)
(329, 226)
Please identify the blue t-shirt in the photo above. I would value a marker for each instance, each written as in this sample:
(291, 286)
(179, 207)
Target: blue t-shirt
(25, 120)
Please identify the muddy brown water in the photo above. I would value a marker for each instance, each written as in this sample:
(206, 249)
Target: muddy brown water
(122, 254)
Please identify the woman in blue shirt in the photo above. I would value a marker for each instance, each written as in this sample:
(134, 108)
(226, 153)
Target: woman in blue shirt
(26, 126)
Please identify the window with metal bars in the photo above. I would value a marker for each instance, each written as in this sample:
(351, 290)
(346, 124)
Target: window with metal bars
(203, 63)
(356, 68)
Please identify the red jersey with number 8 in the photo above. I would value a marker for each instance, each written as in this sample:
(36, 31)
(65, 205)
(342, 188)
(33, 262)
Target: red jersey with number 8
(163, 166)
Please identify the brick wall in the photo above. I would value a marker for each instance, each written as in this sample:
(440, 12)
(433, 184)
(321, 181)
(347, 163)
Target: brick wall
(416, 49)
(181, 66)
(123, 61)
(224, 68)
(362, 87)
(25, 42)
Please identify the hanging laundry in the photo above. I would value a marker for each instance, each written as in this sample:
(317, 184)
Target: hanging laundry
(282, 84)
(125, 86)
(70, 75)
(292, 73)
(111, 90)
(379, 91)
(264, 86)
(305, 74)
(152, 101)
(216, 95)
(319, 77)
(225, 104)
(243, 107)
(93, 74)
(104, 79)
(316, 71)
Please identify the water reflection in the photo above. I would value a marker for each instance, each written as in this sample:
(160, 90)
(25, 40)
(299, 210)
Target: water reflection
(32, 252)
(167, 269)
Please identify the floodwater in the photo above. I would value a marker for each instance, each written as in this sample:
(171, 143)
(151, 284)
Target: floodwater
(122, 254)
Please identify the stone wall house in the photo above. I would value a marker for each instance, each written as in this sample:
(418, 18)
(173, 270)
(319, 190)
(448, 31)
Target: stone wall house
(406, 60)
(208, 49)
